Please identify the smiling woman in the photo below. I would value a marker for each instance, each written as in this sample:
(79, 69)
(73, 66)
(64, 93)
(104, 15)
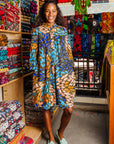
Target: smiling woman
(51, 13)
(52, 61)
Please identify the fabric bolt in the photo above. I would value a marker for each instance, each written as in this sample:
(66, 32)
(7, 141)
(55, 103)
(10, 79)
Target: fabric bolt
(85, 24)
(77, 45)
(81, 6)
(78, 24)
(93, 45)
(56, 84)
(3, 40)
(89, 42)
(18, 139)
(97, 42)
(84, 44)
(107, 22)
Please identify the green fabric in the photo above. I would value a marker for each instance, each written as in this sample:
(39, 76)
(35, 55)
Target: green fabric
(93, 45)
(79, 8)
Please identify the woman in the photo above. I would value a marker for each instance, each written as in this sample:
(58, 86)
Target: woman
(52, 62)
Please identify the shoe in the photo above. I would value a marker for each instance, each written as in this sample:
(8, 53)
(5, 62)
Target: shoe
(63, 141)
(50, 142)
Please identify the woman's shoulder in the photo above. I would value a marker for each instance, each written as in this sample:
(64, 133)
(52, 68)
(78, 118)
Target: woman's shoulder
(61, 29)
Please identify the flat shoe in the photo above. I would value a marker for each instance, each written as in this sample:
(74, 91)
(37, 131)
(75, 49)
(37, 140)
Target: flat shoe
(63, 141)
(50, 142)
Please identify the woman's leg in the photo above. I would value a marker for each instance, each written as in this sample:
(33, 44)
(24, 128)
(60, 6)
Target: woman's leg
(47, 118)
(65, 120)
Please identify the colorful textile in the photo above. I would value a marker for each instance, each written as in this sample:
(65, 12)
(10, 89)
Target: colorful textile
(27, 140)
(84, 44)
(18, 139)
(107, 22)
(53, 78)
(93, 45)
(81, 6)
(78, 24)
(63, 1)
(97, 42)
(77, 45)
(85, 24)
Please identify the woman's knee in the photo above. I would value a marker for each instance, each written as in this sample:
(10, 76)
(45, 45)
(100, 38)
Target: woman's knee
(69, 111)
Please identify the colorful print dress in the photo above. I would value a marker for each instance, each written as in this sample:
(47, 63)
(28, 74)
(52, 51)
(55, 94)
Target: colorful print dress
(52, 61)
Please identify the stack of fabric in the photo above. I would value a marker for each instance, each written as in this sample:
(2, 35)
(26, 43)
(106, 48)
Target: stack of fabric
(26, 49)
(12, 15)
(11, 123)
(14, 59)
(25, 12)
(33, 11)
(2, 14)
(3, 59)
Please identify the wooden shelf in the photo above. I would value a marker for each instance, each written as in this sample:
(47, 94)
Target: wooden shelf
(16, 79)
(26, 33)
(25, 75)
(7, 31)
(10, 82)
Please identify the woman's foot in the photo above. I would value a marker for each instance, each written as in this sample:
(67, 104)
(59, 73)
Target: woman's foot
(61, 139)
(51, 142)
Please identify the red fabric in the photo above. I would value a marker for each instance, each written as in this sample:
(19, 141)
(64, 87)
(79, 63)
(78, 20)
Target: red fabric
(27, 140)
(63, 1)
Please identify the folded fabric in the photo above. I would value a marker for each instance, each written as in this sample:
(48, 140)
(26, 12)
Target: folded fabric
(18, 138)
(27, 140)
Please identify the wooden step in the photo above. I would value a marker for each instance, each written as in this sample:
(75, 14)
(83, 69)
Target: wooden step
(33, 132)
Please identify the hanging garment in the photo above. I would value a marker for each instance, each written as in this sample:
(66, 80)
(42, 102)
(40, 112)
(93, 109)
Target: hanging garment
(52, 61)
(93, 45)
(81, 6)
(77, 45)
(107, 22)
(93, 24)
(85, 24)
(78, 24)
(84, 44)
(97, 43)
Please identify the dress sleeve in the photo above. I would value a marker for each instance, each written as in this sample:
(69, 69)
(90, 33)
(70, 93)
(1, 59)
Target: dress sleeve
(33, 51)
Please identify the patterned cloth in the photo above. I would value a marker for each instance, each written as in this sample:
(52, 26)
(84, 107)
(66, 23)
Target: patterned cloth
(107, 22)
(53, 78)
(77, 45)
(78, 24)
(81, 6)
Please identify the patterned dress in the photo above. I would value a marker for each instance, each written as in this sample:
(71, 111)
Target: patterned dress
(52, 61)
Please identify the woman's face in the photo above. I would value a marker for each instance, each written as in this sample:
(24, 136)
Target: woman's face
(51, 13)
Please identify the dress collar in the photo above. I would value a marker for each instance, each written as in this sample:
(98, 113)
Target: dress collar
(48, 26)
